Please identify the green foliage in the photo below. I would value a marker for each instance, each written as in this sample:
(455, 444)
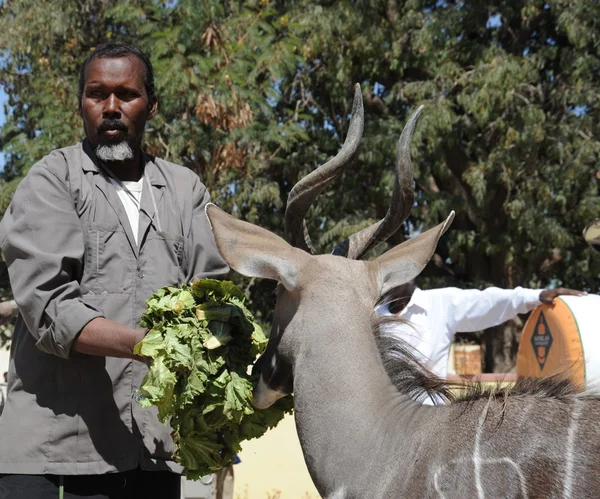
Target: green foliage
(508, 137)
(202, 340)
(255, 94)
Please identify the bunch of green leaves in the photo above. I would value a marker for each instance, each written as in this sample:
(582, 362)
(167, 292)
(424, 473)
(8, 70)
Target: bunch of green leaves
(202, 341)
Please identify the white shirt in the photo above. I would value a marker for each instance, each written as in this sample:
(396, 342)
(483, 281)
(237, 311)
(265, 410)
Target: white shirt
(131, 208)
(436, 315)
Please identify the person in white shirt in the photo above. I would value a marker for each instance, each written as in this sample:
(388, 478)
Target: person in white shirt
(432, 317)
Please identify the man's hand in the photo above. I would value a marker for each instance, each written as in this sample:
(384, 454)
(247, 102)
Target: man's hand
(547, 296)
(8, 309)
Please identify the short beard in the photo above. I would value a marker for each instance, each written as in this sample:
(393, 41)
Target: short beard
(117, 152)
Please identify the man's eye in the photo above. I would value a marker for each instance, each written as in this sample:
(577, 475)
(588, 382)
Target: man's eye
(127, 96)
(96, 95)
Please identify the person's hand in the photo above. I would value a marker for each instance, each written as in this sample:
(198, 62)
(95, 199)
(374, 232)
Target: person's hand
(547, 296)
(8, 309)
(141, 334)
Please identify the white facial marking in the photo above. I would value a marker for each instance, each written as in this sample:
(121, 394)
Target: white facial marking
(263, 396)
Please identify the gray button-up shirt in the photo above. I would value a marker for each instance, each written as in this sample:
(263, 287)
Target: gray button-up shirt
(72, 257)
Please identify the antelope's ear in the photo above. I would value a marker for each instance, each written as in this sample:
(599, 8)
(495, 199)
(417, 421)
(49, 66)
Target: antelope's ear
(406, 261)
(252, 251)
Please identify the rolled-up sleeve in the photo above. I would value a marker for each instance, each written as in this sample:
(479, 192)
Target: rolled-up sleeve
(203, 256)
(43, 243)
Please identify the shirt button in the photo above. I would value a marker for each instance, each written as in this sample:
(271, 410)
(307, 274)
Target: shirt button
(137, 397)
(141, 274)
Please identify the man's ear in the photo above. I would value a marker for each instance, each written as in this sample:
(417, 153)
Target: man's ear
(152, 108)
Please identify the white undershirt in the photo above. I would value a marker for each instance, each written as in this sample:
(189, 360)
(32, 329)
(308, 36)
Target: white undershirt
(131, 208)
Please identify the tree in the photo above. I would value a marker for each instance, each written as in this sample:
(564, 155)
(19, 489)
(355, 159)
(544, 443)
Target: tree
(508, 137)
(255, 94)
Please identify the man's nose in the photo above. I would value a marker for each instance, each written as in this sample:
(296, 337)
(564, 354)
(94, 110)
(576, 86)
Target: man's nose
(112, 107)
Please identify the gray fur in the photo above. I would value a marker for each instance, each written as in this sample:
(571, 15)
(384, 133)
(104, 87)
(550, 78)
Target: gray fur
(363, 434)
(360, 432)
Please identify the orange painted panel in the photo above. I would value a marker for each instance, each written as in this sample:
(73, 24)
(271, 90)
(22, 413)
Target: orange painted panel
(551, 344)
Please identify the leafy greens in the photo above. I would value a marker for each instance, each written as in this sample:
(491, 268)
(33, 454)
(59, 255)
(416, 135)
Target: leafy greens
(202, 340)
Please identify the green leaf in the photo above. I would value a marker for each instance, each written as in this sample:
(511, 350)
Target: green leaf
(220, 334)
(151, 345)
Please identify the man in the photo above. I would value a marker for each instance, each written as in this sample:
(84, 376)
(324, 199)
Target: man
(93, 230)
(432, 317)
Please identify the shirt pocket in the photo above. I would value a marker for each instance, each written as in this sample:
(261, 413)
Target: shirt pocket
(163, 255)
(108, 259)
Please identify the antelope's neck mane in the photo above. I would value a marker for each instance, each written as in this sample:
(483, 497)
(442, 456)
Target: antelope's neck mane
(411, 377)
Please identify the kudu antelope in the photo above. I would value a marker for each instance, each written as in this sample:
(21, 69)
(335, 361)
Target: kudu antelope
(362, 435)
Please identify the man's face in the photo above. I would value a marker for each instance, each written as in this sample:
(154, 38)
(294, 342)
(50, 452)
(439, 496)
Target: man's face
(114, 105)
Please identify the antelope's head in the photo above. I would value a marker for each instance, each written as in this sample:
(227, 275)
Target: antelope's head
(318, 294)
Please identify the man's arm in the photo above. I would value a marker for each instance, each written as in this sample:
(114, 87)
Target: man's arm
(472, 310)
(43, 245)
(103, 337)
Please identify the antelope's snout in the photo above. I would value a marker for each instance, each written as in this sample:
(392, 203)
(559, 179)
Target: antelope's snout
(263, 396)
(274, 381)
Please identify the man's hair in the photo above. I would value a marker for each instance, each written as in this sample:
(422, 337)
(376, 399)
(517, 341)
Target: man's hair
(115, 50)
